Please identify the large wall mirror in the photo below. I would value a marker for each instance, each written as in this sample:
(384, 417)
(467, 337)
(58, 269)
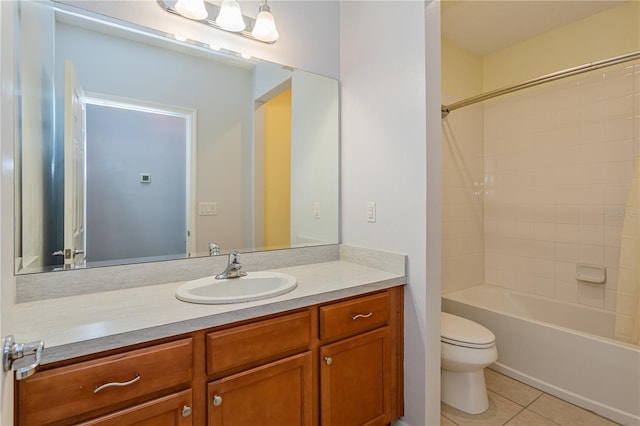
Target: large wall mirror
(133, 145)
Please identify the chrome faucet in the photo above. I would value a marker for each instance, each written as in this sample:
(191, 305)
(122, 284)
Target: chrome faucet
(233, 268)
(214, 249)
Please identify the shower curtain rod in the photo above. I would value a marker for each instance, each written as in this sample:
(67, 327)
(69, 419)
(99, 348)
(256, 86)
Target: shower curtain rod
(446, 109)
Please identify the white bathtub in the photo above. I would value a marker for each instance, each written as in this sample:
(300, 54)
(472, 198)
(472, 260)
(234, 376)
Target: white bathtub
(561, 348)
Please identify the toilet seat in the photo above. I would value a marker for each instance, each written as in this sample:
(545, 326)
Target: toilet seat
(460, 331)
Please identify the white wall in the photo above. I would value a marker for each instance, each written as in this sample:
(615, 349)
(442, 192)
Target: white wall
(434, 210)
(308, 37)
(37, 68)
(314, 158)
(7, 116)
(387, 109)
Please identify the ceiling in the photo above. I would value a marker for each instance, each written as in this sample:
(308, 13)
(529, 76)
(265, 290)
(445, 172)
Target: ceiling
(484, 26)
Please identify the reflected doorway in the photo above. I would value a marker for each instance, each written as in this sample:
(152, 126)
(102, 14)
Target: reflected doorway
(137, 182)
(272, 156)
(277, 168)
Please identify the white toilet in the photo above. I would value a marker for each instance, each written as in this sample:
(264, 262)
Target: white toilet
(466, 349)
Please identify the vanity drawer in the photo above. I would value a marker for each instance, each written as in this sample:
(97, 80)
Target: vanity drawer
(262, 340)
(354, 316)
(69, 391)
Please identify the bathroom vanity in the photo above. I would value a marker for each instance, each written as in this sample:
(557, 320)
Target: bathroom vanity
(323, 354)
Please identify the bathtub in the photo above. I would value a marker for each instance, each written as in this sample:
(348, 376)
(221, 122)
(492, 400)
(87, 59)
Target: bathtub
(564, 349)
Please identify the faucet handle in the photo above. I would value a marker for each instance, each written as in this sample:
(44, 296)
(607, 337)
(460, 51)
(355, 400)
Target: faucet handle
(234, 264)
(234, 257)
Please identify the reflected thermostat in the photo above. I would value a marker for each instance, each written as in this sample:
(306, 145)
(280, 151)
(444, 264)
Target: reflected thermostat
(145, 177)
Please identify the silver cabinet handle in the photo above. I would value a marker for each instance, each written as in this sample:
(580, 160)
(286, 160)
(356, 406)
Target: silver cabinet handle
(186, 411)
(116, 384)
(217, 401)
(12, 351)
(328, 360)
(367, 315)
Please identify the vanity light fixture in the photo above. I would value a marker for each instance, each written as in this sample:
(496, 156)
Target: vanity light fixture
(265, 26)
(228, 17)
(192, 9)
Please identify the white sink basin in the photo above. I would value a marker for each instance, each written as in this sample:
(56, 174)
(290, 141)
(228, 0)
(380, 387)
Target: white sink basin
(253, 286)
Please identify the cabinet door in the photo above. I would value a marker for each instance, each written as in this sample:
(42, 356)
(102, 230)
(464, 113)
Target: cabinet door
(171, 410)
(279, 393)
(355, 380)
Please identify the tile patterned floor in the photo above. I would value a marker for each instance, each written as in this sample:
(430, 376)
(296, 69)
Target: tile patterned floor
(513, 403)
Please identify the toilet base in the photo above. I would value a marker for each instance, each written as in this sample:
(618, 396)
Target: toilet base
(465, 391)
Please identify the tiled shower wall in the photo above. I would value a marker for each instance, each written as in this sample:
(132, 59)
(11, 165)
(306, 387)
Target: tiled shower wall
(462, 209)
(558, 163)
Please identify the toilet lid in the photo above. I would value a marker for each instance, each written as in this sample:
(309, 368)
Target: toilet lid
(463, 332)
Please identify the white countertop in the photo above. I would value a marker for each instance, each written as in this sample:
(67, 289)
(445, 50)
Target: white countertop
(80, 325)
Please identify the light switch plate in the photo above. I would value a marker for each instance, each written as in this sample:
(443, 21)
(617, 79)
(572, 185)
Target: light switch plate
(209, 208)
(371, 212)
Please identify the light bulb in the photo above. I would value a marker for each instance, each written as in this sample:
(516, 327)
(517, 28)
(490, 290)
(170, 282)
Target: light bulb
(230, 16)
(265, 26)
(192, 9)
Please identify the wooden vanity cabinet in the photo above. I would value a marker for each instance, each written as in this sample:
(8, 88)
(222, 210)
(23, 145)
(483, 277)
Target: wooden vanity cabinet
(257, 342)
(277, 393)
(338, 363)
(360, 371)
(73, 393)
(171, 410)
(355, 377)
(265, 372)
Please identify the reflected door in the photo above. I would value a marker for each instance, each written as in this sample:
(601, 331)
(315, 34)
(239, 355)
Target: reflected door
(137, 180)
(74, 169)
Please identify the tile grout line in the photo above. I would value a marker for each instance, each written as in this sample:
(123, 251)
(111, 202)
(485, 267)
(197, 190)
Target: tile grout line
(535, 399)
(524, 407)
(443, 415)
(515, 415)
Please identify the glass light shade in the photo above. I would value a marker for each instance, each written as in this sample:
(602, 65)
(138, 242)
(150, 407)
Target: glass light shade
(192, 9)
(230, 16)
(265, 27)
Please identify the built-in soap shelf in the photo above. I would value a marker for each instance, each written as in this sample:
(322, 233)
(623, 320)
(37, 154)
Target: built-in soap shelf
(591, 273)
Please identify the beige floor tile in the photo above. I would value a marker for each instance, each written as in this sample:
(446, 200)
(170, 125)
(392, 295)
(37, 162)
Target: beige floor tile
(566, 414)
(510, 388)
(529, 418)
(446, 422)
(499, 412)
